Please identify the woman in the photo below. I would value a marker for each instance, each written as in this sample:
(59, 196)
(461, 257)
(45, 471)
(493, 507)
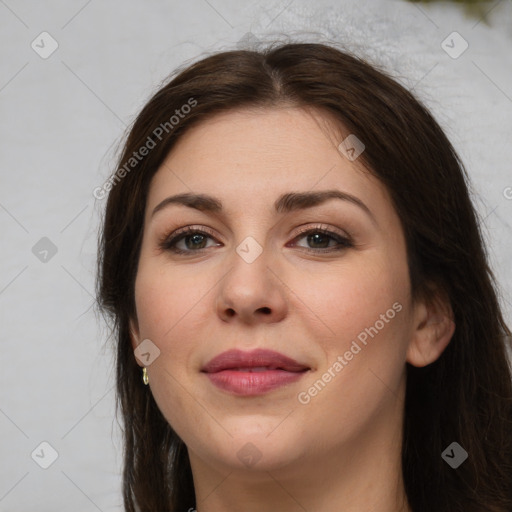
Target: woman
(290, 253)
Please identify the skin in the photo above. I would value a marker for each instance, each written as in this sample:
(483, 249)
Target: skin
(343, 446)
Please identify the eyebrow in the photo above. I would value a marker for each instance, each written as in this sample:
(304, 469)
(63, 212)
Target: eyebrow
(288, 202)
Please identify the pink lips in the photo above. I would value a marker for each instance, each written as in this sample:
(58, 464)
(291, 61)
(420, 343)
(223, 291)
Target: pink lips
(252, 373)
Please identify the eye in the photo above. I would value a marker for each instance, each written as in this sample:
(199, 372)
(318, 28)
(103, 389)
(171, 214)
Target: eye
(195, 237)
(321, 237)
(195, 240)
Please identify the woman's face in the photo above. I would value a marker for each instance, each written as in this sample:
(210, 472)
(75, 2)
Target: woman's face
(337, 303)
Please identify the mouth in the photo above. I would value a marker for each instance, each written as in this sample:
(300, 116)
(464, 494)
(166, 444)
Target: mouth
(253, 373)
(258, 360)
(260, 369)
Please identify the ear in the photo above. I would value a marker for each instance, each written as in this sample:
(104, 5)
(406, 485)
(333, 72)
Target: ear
(433, 329)
(134, 337)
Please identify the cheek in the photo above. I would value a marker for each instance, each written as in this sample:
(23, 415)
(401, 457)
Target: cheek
(164, 318)
(363, 334)
(166, 299)
(351, 298)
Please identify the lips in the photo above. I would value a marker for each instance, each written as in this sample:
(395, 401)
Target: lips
(258, 360)
(253, 373)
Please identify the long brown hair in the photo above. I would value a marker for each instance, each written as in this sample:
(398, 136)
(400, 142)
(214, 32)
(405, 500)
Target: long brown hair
(465, 396)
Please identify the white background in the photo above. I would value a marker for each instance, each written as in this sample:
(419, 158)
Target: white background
(61, 118)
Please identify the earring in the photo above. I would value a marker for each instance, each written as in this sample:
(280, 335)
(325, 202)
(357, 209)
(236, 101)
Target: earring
(145, 377)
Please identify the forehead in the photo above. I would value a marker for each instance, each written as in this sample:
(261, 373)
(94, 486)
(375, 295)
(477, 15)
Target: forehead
(249, 157)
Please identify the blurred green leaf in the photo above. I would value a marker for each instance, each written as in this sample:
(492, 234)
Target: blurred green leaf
(478, 9)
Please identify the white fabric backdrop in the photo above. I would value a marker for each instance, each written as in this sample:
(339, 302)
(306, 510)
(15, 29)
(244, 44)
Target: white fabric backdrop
(61, 116)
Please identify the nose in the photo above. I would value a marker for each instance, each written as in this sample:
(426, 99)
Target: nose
(252, 292)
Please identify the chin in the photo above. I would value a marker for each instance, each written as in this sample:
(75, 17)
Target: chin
(258, 451)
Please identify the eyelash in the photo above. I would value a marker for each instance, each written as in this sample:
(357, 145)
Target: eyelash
(168, 242)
